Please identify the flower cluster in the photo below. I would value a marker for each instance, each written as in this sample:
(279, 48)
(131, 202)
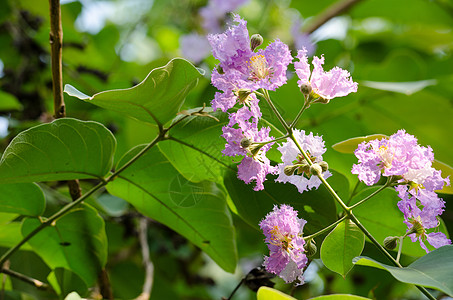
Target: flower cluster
(297, 164)
(401, 158)
(241, 68)
(283, 231)
(243, 72)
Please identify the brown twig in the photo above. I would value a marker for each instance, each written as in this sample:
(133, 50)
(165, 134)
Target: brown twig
(35, 282)
(332, 11)
(56, 43)
(149, 267)
(104, 285)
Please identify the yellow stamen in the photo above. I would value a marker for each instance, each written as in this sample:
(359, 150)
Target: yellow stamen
(258, 67)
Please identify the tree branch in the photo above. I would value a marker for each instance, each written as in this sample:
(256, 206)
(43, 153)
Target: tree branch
(149, 267)
(332, 11)
(35, 282)
(56, 42)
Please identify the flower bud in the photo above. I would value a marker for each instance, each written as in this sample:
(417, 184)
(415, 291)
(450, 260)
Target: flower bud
(310, 248)
(324, 166)
(306, 88)
(289, 170)
(391, 242)
(245, 142)
(255, 41)
(315, 169)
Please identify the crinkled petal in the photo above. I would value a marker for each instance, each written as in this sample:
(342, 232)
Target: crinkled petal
(302, 67)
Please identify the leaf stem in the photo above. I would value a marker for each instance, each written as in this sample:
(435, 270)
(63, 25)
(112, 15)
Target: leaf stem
(69, 206)
(304, 107)
(325, 229)
(401, 238)
(387, 184)
(274, 109)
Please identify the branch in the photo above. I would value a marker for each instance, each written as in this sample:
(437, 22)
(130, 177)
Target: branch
(56, 42)
(149, 267)
(330, 12)
(104, 285)
(35, 282)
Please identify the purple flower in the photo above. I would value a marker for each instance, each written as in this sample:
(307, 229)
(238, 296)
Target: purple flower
(283, 231)
(314, 146)
(194, 47)
(421, 209)
(399, 155)
(327, 85)
(240, 68)
(240, 141)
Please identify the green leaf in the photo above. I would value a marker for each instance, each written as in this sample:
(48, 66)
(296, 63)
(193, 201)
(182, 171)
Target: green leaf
(156, 99)
(64, 281)
(196, 145)
(22, 198)
(10, 234)
(9, 102)
(339, 297)
(267, 293)
(77, 242)
(407, 88)
(350, 145)
(198, 211)
(62, 150)
(433, 270)
(382, 218)
(341, 245)
(317, 207)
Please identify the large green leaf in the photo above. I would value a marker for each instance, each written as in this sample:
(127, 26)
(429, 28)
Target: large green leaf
(196, 148)
(22, 198)
(342, 244)
(198, 211)
(350, 145)
(382, 218)
(62, 150)
(77, 242)
(434, 270)
(156, 99)
(267, 293)
(317, 207)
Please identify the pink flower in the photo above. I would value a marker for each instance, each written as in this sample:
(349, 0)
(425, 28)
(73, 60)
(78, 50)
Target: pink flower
(241, 68)
(283, 231)
(241, 134)
(327, 85)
